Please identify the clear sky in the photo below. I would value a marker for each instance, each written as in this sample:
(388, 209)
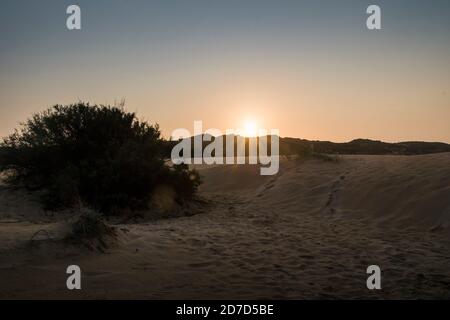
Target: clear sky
(309, 68)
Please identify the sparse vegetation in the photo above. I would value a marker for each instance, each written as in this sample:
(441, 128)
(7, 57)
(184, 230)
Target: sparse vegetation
(305, 151)
(326, 157)
(91, 231)
(99, 156)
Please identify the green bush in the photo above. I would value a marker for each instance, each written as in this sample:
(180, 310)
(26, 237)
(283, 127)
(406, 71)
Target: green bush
(307, 152)
(101, 156)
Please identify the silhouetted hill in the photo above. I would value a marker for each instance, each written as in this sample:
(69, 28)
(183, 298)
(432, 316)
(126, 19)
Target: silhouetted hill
(291, 146)
(362, 146)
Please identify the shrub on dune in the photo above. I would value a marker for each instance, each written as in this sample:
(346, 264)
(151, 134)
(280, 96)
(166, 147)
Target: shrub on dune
(307, 152)
(101, 156)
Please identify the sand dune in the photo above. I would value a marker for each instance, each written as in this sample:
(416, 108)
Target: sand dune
(308, 232)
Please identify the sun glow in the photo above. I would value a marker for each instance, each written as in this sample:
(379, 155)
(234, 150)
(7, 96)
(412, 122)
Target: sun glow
(251, 129)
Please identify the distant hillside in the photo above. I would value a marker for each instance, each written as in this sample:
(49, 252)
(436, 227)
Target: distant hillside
(362, 146)
(291, 146)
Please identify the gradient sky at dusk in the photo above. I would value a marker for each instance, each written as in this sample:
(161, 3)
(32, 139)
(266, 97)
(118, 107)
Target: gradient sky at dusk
(310, 68)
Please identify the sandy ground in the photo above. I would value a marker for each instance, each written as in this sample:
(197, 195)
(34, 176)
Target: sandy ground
(307, 233)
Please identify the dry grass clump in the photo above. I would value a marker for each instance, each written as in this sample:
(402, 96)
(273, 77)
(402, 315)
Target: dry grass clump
(91, 230)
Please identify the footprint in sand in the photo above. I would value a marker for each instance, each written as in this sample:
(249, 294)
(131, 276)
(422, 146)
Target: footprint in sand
(335, 188)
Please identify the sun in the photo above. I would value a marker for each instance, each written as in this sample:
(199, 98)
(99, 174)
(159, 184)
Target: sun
(251, 129)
